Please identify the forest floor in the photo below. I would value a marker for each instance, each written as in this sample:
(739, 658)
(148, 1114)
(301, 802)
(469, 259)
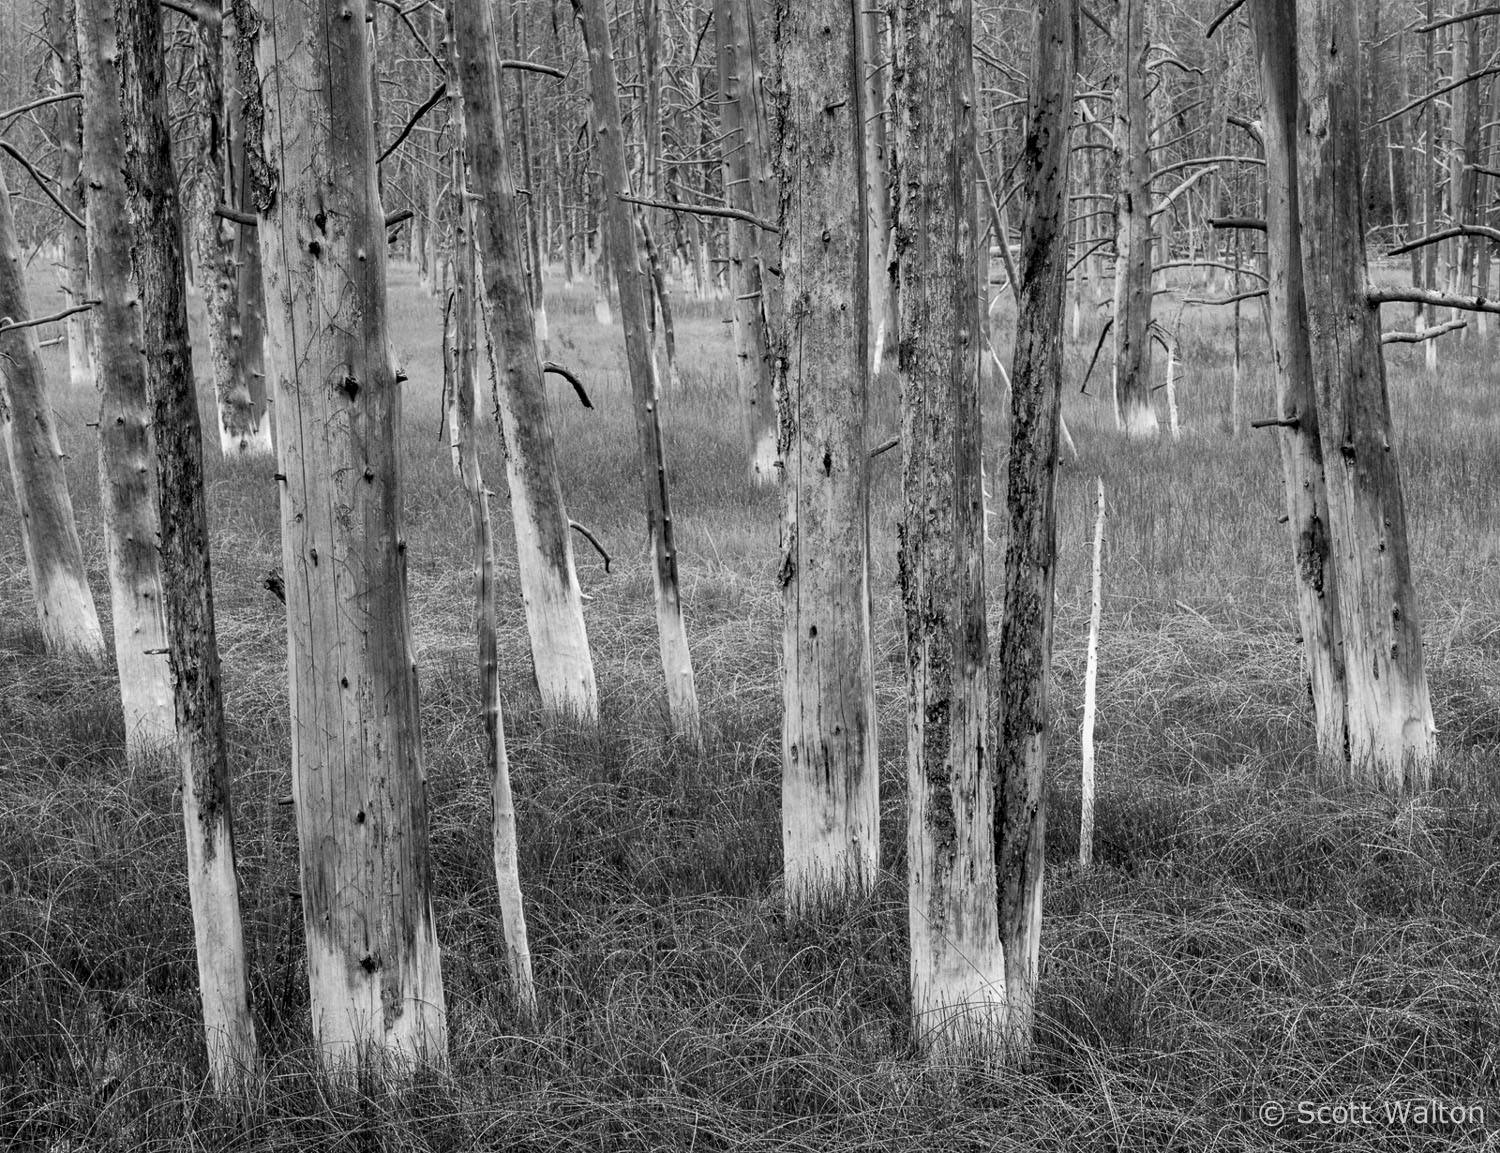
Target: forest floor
(1251, 939)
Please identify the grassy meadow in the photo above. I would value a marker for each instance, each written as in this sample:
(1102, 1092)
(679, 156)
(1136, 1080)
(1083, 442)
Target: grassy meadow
(1249, 935)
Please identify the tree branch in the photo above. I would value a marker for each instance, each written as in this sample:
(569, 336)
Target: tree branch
(1471, 14)
(250, 220)
(1235, 299)
(200, 11)
(592, 539)
(1422, 334)
(1409, 295)
(558, 370)
(41, 183)
(1440, 91)
(528, 66)
(1248, 222)
(1213, 25)
(9, 325)
(1446, 234)
(56, 98)
(1166, 202)
(884, 447)
(703, 210)
(438, 94)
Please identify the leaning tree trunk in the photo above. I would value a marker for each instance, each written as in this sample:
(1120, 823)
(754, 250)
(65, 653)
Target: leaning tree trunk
(372, 954)
(1314, 577)
(187, 584)
(741, 155)
(957, 956)
(462, 363)
(54, 555)
(126, 443)
(74, 272)
(1391, 734)
(830, 806)
(544, 546)
(619, 225)
(1132, 385)
(1024, 662)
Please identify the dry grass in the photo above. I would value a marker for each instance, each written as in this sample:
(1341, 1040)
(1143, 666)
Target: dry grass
(1249, 935)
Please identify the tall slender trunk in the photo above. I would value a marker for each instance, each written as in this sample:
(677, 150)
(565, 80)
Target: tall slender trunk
(1132, 385)
(126, 444)
(544, 545)
(682, 696)
(131, 69)
(1392, 739)
(1024, 659)
(74, 272)
(467, 25)
(54, 556)
(372, 955)
(1314, 576)
(957, 956)
(873, 65)
(741, 150)
(830, 779)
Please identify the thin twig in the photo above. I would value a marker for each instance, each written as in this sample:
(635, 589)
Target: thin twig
(438, 94)
(884, 446)
(593, 540)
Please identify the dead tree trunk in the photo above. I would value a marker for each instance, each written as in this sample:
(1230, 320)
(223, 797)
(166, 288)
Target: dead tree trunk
(372, 954)
(54, 556)
(1314, 576)
(126, 443)
(132, 69)
(74, 272)
(682, 696)
(741, 150)
(463, 379)
(829, 752)
(1134, 414)
(544, 546)
(1391, 734)
(1024, 661)
(957, 956)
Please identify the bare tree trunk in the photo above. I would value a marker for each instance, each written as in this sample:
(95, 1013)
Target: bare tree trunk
(74, 273)
(126, 443)
(472, 24)
(125, 98)
(829, 752)
(1132, 386)
(1315, 579)
(372, 953)
(873, 67)
(544, 546)
(54, 556)
(741, 156)
(1024, 661)
(957, 956)
(240, 425)
(1391, 734)
(682, 696)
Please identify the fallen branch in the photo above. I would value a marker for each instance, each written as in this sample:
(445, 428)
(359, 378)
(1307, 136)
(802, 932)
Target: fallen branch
(427, 105)
(41, 183)
(558, 370)
(703, 210)
(592, 539)
(1235, 299)
(9, 325)
(1213, 25)
(1377, 296)
(1248, 222)
(250, 220)
(1447, 234)
(1423, 334)
(56, 98)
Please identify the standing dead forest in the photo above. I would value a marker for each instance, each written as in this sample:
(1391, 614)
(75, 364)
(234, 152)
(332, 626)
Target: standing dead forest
(748, 575)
